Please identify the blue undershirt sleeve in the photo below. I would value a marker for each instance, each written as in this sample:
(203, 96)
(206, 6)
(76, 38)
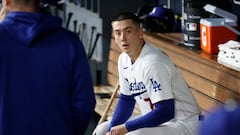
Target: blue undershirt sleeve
(163, 112)
(123, 110)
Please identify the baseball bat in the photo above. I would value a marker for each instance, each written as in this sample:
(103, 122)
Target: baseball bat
(114, 94)
(70, 14)
(82, 27)
(75, 22)
(82, 3)
(94, 45)
(91, 38)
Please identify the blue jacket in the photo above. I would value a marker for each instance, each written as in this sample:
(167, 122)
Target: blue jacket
(45, 82)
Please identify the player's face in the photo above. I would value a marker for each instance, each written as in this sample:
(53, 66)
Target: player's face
(128, 37)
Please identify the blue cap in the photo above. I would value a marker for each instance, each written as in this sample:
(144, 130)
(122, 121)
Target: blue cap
(158, 12)
(224, 120)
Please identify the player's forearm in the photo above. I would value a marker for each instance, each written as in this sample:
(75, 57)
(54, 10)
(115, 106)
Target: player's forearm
(123, 110)
(163, 112)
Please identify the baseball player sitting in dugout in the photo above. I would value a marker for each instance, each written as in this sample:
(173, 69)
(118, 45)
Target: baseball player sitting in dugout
(149, 78)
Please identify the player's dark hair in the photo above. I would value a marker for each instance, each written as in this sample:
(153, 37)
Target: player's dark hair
(127, 15)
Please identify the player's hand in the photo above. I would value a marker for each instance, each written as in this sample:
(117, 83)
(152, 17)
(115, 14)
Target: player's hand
(118, 130)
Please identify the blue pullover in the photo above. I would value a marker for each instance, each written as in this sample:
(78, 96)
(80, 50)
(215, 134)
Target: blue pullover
(45, 82)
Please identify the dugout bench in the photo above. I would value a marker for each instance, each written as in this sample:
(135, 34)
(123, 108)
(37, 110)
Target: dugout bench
(211, 83)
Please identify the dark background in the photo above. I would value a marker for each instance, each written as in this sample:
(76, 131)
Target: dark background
(109, 8)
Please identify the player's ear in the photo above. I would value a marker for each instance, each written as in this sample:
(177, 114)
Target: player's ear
(141, 33)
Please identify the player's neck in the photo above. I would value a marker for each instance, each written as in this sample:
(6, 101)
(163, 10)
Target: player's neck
(138, 51)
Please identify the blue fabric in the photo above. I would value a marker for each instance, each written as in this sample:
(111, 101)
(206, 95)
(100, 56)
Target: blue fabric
(158, 12)
(222, 120)
(163, 112)
(123, 110)
(45, 82)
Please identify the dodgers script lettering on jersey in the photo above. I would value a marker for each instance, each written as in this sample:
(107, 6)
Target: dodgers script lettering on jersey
(139, 91)
(137, 88)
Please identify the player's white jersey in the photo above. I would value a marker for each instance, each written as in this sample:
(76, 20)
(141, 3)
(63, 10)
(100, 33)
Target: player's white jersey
(153, 78)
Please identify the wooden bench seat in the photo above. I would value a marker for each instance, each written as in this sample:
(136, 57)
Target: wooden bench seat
(211, 83)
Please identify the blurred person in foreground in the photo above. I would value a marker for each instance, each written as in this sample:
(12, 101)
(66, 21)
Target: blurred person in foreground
(45, 82)
(222, 120)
